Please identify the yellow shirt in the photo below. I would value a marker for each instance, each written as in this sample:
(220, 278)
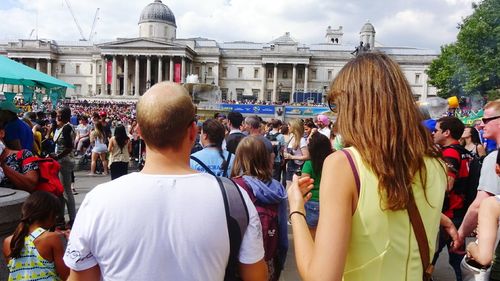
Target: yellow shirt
(382, 245)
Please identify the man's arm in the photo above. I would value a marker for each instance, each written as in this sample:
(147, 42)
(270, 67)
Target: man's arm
(91, 274)
(253, 272)
(470, 220)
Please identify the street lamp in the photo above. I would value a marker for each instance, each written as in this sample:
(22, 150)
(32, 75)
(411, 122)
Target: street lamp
(206, 77)
(148, 84)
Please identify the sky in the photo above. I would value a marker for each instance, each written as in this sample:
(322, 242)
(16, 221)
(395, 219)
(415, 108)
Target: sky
(408, 23)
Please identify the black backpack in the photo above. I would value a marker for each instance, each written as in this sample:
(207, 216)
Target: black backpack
(470, 183)
(273, 138)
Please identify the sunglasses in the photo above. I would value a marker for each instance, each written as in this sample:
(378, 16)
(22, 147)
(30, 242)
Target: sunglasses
(487, 120)
(333, 106)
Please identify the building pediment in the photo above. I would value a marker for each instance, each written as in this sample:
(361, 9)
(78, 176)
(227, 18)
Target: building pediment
(140, 43)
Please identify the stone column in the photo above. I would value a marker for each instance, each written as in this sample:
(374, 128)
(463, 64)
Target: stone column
(216, 74)
(104, 87)
(160, 69)
(113, 77)
(125, 76)
(148, 72)
(94, 77)
(275, 81)
(49, 67)
(38, 64)
(136, 77)
(306, 77)
(171, 70)
(425, 86)
(183, 70)
(294, 80)
(263, 82)
(203, 72)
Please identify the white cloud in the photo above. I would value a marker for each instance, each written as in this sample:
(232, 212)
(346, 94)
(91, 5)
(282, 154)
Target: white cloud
(422, 23)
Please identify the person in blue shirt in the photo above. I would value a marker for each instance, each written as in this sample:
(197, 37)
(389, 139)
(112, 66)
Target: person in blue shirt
(212, 158)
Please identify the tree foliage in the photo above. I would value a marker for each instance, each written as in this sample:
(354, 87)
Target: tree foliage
(471, 65)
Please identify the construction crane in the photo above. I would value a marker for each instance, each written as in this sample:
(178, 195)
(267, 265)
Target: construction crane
(76, 21)
(92, 33)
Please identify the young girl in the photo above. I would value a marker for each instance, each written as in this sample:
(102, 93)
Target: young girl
(33, 253)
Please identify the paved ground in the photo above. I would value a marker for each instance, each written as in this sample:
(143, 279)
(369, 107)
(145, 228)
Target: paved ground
(85, 183)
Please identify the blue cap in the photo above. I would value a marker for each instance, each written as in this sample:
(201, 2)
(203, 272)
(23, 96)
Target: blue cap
(430, 124)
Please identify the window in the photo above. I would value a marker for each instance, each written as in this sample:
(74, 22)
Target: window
(240, 72)
(100, 68)
(210, 71)
(255, 93)
(269, 74)
(77, 69)
(255, 73)
(285, 74)
(330, 74)
(300, 73)
(78, 89)
(239, 94)
(91, 69)
(63, 68)
(313, 74)
(269, 95)
(224, 72)
(223, 92)
(417, 78)
(89, 87)
(197, 70)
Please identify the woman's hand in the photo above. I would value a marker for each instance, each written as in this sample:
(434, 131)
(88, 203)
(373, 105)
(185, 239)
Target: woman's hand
(299, 193)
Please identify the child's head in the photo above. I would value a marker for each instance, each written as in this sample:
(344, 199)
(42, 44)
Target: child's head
(42, 208)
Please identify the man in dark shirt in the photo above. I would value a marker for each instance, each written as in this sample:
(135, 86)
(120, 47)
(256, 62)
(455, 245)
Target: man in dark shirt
(18, 134)
(448, 132)
(234, 120)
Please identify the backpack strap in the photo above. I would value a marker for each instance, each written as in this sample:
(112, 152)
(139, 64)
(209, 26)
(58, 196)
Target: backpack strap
(421, 236)
(202, 165)
(28, 160)
(237, 219)
(224, 173)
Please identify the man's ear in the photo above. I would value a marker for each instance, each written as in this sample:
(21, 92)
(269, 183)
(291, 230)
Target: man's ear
(447, 133)
(192, 131)
(139, 132)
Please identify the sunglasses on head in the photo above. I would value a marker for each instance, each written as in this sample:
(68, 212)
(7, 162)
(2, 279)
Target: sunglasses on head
(333, 106)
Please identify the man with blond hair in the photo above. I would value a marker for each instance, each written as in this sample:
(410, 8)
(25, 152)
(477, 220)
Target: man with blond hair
(489, 182)
(167, 222)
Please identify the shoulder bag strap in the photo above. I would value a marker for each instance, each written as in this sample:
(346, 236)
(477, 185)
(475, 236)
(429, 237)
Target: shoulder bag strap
(202, 165)
(354, 170)
(237, 219)
(421, 236)
(224, 173)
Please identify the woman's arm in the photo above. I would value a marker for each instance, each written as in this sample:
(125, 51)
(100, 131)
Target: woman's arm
(303, 157)
(129, 147)
(111, 144)
(26, 182)
(489, 213)
(325, 258)
(58, 243)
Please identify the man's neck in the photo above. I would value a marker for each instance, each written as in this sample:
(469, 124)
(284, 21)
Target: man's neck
(167, 162)
(449, 142)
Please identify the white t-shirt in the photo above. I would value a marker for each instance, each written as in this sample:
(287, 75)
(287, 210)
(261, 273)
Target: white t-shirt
(146, 227)
(489, 180)
(298, 151)
(325, 131)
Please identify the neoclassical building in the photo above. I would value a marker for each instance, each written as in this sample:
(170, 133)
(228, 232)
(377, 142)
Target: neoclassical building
(126, 67)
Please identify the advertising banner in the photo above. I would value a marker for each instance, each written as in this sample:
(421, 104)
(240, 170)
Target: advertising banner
(249, 108)
(109, 72)
(177, 73)
(305, 110)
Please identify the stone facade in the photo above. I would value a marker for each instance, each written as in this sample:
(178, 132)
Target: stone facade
(126, 67)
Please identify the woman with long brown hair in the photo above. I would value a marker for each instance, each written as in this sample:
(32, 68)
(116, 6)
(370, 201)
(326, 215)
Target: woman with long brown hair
(296, 151)
(99, 149)
(252, 170)
(364, 231)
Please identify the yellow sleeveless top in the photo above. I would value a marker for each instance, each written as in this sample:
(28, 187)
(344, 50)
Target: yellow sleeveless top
(382, 245)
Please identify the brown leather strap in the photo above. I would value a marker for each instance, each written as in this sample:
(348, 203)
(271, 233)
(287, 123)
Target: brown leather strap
(421, 236)
(354, 170)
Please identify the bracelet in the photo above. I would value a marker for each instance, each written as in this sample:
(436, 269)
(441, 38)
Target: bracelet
(295, 212)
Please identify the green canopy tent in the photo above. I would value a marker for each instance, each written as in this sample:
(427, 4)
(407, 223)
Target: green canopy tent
(14, 73)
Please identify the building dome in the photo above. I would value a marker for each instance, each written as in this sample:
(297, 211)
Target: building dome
(157, 12)
(367, 27)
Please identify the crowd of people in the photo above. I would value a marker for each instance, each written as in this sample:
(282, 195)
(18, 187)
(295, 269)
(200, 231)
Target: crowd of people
(366, 197)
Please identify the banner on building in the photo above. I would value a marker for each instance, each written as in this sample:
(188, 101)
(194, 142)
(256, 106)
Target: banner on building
(109, 72)
(177, 73)
(249, 108)
(305, 110)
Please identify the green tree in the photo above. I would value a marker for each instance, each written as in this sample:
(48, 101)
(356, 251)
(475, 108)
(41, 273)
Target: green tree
(471, 65)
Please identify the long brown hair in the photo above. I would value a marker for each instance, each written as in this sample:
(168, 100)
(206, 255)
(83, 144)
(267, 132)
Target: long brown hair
(297, 131)
(252, 159)
(39, 206)
(377, 115)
